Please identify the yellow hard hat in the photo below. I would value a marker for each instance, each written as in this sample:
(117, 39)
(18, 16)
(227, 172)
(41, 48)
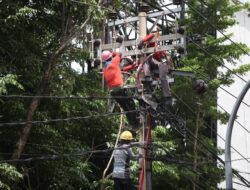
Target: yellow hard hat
(126, 135)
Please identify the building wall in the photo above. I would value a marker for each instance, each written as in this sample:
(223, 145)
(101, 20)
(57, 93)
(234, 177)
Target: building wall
(240, 137)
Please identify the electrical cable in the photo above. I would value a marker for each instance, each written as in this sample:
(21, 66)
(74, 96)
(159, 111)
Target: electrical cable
(212, 129)
(241, 184)
(60, 156)
(239, 159)
(220, 62)
(226, 90)
(216, 28)
(218, 158)
(221, 161)
(198, 146)
(63, 97)
(235, 119)
(234, 96)
(65, 119)
(248, 173)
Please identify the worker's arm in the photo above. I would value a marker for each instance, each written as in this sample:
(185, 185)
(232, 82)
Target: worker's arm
(133, 156)
(116, 54)
(116, 58)
(130, 67)
(146, 39)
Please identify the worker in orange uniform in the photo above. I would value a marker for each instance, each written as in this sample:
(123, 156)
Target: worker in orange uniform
(114, 80)
(122, 156)
(160, 60)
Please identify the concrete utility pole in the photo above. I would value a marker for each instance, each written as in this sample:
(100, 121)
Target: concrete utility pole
(143, 163)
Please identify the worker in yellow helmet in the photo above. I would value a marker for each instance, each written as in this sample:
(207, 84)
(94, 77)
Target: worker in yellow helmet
(122, 156)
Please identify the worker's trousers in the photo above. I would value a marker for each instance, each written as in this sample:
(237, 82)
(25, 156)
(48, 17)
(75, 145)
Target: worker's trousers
(123, 184)
(128, 105)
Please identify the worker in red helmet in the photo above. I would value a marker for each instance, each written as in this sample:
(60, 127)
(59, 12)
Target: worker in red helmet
(114, 80)
(160, 60)
(122, 156)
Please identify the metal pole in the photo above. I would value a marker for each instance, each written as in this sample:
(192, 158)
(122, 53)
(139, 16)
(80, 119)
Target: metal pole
(148, 165)
(228, 166)
(143, 33)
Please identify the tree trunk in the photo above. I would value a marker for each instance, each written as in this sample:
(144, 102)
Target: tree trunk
(65, 41)
(35, 103)
(194, 180)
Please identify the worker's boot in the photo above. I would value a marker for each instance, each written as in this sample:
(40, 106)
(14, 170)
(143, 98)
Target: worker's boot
(166, 106)
(150, 100)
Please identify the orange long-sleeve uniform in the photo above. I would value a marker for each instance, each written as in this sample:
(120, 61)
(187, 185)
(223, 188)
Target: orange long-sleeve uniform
(157, 55)
(112, 72)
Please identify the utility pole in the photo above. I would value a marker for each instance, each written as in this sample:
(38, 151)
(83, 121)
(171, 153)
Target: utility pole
(143, 178)
(128, 48)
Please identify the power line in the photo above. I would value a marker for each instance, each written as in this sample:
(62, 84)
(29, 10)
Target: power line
(215, 27)
(240, 184)
(234, 96)
(235, 119)
(83, 153)
(227, 68)
(244, 172)
(214, 154)
(224, 66)
(221, 161)
(220, 62)
(212, 128)
(62, 97)
(54, 157)
(65, 119)
(239, 159)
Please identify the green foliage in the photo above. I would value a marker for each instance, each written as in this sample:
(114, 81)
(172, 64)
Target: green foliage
(9, 176)
(9, 79)
(242, 69)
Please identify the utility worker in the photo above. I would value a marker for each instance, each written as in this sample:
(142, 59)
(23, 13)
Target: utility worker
(156, 61)
(114, 80)
(122, 156)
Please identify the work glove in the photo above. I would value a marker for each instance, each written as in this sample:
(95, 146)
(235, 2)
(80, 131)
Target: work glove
(140, 45)
(140, 156)
(116, 53)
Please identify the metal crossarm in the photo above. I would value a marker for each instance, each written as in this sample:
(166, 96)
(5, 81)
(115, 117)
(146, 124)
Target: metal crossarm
(151, 15)
(134, 42)
(148, 50)
(182, 73)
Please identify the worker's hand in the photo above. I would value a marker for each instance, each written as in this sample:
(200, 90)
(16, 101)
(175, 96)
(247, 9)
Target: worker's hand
(140, 45)
(116, 53)
(140, 155)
